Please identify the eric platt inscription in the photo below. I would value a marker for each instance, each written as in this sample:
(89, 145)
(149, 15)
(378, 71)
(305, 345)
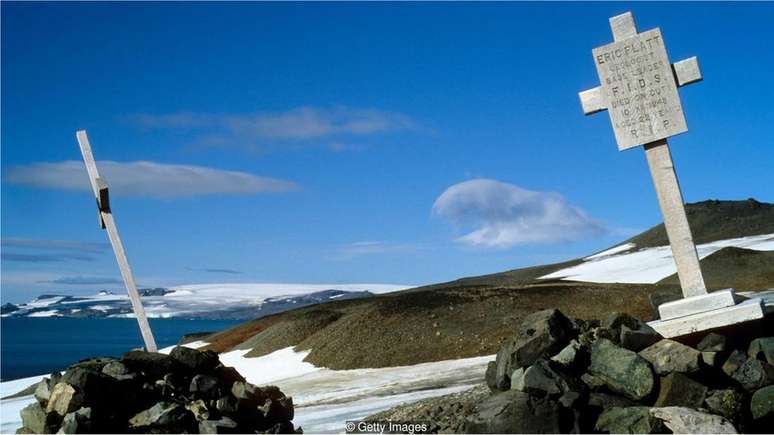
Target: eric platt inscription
(640, 90)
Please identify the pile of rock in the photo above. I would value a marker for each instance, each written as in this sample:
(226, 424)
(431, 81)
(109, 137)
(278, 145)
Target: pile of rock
(187, 391)
(560, 375)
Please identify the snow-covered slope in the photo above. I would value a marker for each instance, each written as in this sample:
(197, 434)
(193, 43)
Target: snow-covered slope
(237, 301)
(626, 264)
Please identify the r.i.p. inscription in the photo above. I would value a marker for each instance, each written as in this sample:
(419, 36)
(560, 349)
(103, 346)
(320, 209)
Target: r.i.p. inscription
(639, 89)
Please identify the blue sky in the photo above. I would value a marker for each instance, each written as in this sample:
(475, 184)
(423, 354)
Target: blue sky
(397, 143)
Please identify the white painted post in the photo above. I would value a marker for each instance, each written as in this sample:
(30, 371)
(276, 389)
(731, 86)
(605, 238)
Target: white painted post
(100, 189)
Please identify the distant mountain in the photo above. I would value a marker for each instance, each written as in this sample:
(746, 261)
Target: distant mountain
(209, 301)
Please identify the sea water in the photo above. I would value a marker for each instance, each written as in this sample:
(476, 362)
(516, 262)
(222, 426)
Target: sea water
(36, 346)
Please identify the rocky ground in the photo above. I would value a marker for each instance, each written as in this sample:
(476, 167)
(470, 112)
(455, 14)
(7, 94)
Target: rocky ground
(187, 391)
(563, 375)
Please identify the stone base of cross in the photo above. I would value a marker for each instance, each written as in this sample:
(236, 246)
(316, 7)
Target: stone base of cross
(638, 88)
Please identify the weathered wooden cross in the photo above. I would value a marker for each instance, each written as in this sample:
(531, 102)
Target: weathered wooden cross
(639, 91)
(100, 188)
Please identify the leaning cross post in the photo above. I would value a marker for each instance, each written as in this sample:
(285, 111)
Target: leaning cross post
(100, 188)
(638, 88)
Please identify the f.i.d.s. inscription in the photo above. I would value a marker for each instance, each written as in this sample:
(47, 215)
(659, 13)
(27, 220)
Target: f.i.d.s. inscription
(640, 90)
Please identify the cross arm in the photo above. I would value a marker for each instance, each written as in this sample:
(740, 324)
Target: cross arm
(687, 71)
(592, 100)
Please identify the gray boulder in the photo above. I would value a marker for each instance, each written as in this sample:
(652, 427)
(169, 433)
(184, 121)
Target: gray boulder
(669, 356)
(676, 389)
(43, 391)
(711, 359)
(733, 362)
(621, 370)
(632, 420)
(514, 412)
(204, 386)
(167, 415)
(754, 374)
(607, 401)
(539, 379)
(35, 419)
(195, 360)
(639, 338)
(728, 403)
(541, 334)
(224, 425)
(712, 342)
(762, 349)
(64, 399)
(685, 420)
(491, 377)
(155, 365)
(762, 403)
(77, 422)
(570, 356)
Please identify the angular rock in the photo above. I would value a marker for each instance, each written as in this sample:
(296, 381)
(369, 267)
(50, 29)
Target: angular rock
(25, 430)
(669, 356)
(205, 386)
(517, 379)
(154, 365)
(733, 362)
(712, 342)
(616, 319)
(94, 364)
(762, 403)
(762, 349)
(541, 334)
(680, 390)
(621, 370)
(711, 359)
(245, 391)
(754, 374)
(569, 399)
(195, 360)
(224, 425)
(593, 382)
(98, 385)
(226, 405)
(116, 369)
(170, 416)
(199, 409)
(570, 356)
(228, 375)
(607, 401)
(728, 403)
(64, 399)
(685, 420)
(77, 422)
(540, 379)
(514, 412)
(491, 376)
(43, 392)
(632, 420)
(639, 338)
(35, 419)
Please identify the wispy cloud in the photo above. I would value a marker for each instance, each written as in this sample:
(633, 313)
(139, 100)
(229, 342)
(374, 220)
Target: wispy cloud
(216, 270)
(291, 128)
(367, 248)
(145, 178)
(54, 245)
(44, 258)
(83, 280)
(503, 215)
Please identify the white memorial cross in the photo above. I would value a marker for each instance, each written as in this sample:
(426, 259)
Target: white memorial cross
(639, 90)
(106, 221)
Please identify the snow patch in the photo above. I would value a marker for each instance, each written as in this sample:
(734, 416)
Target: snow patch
(649, 265)
(611, 251)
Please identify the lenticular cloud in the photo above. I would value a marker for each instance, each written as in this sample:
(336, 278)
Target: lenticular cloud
(503, 215)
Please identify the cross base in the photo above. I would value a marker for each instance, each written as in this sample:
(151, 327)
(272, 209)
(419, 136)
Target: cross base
(705, 312)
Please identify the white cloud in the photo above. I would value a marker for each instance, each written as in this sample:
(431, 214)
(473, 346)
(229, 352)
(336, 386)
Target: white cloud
(291, 127)
(361, 249)
(144, 178)
(503, 215)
